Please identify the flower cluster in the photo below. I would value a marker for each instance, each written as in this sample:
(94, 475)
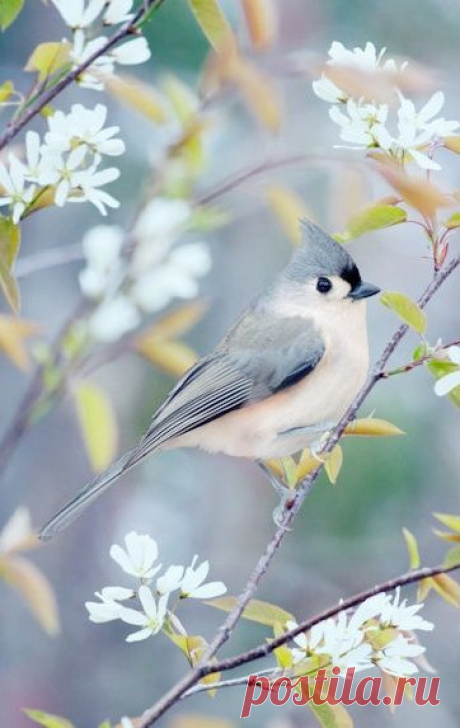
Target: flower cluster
(139, 560)
(81, 16)
(67, 161)
(364, 123)
(156, 273)
(379, 632)
(449, 382)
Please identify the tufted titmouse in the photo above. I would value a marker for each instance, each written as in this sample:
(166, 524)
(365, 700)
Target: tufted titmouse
(282, 376)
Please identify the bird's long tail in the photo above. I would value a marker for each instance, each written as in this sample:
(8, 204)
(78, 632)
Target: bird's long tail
(90, 492)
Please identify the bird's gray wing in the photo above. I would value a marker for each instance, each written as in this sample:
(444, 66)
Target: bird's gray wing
(256, 359)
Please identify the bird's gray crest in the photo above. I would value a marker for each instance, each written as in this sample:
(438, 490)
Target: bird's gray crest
(317, 255)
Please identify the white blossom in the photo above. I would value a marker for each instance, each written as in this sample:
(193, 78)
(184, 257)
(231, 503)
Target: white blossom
(138, 558)
(152, 618)
(327, 90)
(394, 658)
(105, 610)
(192, 584)
(113, 318)
(13, 190)
(345, 644)
(171, 580)
(131, 53)
(101, 246)
(126, 722)
(365, 59)
(81, 51)
(449, 382)
(79, 13)
(83, 126)
(90, 181)
(61, 171)
(363, 124)
(306, 642)
(402, 616)
(118, 11)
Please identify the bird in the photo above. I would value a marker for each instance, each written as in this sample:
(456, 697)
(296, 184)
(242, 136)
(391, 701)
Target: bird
(279, 380)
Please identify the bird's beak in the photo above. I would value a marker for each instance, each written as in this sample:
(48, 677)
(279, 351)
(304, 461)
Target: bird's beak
(363, 290)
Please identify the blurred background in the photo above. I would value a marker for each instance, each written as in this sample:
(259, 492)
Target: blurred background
(347, 537)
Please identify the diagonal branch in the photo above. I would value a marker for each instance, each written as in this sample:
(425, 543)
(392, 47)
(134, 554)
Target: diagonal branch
(129, 28)
(291, 509)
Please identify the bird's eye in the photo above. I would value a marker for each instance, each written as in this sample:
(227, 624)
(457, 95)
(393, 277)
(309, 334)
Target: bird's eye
(323, 285)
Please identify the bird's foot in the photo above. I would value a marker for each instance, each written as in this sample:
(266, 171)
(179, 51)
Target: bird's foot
(316, 448)
(285, 494)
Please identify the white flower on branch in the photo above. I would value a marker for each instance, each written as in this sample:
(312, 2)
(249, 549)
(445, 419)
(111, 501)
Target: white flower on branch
(152, 618)
(446, 384)
(138, 558)
(113, 318)
(13, 189)
(89, 183)
(402, 616)
(130, 53)
(363, 125)
(79, 13)
(118, 11)
(83, 126)
(102, 247)
(395, 657)
(171, 580)
(192, 584)
(55, 169)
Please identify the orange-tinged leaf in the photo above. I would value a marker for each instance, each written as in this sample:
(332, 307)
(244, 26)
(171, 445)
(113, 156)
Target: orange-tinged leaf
(261, 22)
(452, 143)
(306, 464)
(258, 92)
(373, 427)
(418, 193)
(447, 588)
(13, 334)
(34, 588)
(137, 95)
(97, 423)
(174, 357)
(177, 322)
(289, 208)
(200, 721)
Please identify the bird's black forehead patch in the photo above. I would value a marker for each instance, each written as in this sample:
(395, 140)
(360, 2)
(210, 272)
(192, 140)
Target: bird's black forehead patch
(350, 274)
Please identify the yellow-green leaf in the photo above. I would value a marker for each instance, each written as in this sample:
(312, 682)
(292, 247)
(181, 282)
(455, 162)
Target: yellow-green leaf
(47, 720)
(449, 520)
(13, 334)
(47, 58)
(412, 547)
(452, 143)
(375, 217)
(333, 464)
(331, 716)
(261, 22)
(10, 239)
(452, 558)
(183, 102)
(34, 588)
(137, 95)
(98, 424)
(453, 221)
(407, 310)
(211, 20)
(6, 89)
(200, 721)
(373, 427)
(9, 10)
(289, 208)
(255, 611)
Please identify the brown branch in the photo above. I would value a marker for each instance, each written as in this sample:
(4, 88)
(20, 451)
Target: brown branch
(129, 28)
(291, 509)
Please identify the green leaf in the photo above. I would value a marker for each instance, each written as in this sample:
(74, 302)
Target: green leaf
(331, 716)
(6, 89)
(406, 309)
(98, 425)
(333, 464)
(47, 58)
(106, 724)
(452, 522)
(440, 369)
(452, 558)
(412, 547)
(10, 238)
(373, 218)
(256, 610)
(9, 11)
(453, 221)
(211, 20)
(47, 720)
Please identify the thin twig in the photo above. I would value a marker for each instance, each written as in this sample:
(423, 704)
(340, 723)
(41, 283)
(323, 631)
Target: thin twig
(291, 509)
(129, 28)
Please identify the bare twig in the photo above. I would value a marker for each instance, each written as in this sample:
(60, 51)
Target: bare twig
(129, 28)
(291, 509)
